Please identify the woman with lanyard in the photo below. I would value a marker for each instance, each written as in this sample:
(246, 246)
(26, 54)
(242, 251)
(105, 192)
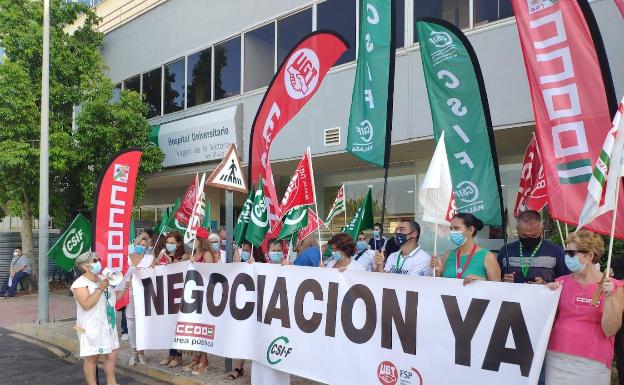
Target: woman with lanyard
(468, 261)
(95, 318)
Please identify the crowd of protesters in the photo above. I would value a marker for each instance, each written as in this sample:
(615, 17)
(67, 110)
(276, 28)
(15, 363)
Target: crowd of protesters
(581, 346)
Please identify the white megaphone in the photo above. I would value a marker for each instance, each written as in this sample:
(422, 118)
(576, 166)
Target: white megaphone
(114, 277)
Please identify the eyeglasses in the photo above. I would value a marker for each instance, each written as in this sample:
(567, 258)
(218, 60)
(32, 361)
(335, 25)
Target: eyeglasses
(572, 253)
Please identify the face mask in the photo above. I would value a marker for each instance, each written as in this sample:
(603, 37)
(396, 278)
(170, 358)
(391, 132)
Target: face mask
(215, 247)
(245, 256)
(276, 256)
(15, 254)
(400, 239)
(457, 237)
(574, 264)
(361, 245)
(336, 255)
(139, 249)
(171, 247)
(376, 234)
(96, 267)
(529, 243)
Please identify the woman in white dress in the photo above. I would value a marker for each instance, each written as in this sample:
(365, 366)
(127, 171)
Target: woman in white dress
(95, 318)
(140, 245)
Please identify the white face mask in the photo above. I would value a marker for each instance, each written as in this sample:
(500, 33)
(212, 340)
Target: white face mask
(15, 254)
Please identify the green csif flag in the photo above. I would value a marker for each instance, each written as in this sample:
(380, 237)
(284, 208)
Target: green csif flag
(363, 218)
(206, 222)
(295, 220)
(459, 107)
(172, 223)
(74, 241)
(370, 120)
(259, 219)
(243, 218)
(163, 221)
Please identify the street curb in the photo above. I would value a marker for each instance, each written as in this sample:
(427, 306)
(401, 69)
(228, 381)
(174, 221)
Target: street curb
(71, 345)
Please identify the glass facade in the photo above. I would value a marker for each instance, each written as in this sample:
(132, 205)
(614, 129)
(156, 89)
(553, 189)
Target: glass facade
(152, 91)
(199, 82)
(227, 68)
(215, 73)
(259, 57)
(339, 16)
(290, 30)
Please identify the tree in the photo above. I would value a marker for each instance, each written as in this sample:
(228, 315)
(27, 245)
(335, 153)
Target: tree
(76, 78)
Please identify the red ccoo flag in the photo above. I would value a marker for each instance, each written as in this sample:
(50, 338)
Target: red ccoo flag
(532, 191)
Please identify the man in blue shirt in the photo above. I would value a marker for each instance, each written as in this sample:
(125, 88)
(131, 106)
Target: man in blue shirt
(308, 252)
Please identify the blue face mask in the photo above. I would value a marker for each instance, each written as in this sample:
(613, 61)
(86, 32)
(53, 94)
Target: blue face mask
(457, 237)
(276, 256)
(574, 264)
(245, 256)
(361, 245)
(171, 247)
(139, 249)
(215, 247)
(376, 234)
(96, 267)
(336, 255)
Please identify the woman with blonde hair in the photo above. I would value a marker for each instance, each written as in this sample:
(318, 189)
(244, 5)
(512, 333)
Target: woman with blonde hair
(580, 350)
(95, 318)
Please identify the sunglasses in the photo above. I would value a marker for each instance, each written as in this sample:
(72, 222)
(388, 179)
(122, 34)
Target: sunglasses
(572, 253)
(95, 260)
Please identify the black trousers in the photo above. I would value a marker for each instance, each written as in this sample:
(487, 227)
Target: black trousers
(619, 355)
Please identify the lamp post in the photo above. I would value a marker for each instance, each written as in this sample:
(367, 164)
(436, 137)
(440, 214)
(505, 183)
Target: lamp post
(44, 168)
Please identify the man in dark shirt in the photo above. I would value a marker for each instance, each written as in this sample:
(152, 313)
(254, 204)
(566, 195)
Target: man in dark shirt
(532, 259)
(377, 241)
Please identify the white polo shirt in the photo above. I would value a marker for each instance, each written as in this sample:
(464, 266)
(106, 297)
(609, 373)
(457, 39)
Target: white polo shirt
(367, 259)
(415, 263)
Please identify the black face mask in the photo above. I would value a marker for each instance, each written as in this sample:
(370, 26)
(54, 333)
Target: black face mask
(529, 243)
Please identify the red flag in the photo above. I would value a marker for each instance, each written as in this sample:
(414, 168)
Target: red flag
(183, 215)
(314, 222)
(295, 82)
(620, 5)
(572, 92)
(300, 191)
(532, 192)
(113, 212)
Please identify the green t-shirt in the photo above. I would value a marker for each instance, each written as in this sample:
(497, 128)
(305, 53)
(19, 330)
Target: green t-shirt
(476, 266)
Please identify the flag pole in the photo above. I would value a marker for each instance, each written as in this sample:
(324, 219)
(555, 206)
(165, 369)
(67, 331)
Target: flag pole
(610, 254)
(560, 233)
(435, 230)
(318, 229)
(344, 199)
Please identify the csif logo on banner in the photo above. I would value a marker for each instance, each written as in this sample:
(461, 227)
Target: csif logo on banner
(73, 245)
(278, 350)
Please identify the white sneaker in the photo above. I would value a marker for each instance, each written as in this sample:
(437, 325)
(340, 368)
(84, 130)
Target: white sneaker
(124, 337)
(132, 360)
(142, 360)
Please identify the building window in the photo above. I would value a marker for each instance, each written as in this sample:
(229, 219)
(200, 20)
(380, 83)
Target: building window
(116, 93)
(259, 56)
(453, 11)
(486, 11)
(199, 84)
(174, 86)
(399, 23)
(227, 68)
(133, 84)
(290, 30)
(339, 16)
(151, 91)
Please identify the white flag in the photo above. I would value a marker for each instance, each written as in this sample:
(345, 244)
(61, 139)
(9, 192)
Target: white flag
(436, 190)
(607, 173)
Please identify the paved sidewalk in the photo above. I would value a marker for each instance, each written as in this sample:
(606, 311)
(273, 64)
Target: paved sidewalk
(24, 308)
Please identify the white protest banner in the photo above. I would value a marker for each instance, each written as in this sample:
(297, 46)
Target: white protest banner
(379, 329)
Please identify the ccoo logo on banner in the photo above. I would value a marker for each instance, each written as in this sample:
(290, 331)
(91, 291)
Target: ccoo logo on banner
(403, 330)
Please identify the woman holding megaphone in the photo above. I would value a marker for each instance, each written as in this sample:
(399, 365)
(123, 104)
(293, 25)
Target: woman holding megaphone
(95, 318)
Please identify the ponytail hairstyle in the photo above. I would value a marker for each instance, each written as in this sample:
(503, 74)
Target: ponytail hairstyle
(470, 221)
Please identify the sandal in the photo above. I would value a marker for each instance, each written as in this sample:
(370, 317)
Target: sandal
(190, 366)
(165, 361)
(200, 369)
(237, 372)
(175, 362)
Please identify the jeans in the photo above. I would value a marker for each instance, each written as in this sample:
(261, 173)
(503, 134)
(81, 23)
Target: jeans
(16, 280)
(124, 322)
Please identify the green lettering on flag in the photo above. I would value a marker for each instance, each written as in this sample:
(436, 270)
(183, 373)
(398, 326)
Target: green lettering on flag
(295, 220)
(259, 219)
(370, 120)
(74, 241)
(363, 218)
(243, 218)
(454, 87)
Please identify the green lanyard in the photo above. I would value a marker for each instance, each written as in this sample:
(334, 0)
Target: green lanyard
(399, 265)
(524, 265)
(110, 311)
